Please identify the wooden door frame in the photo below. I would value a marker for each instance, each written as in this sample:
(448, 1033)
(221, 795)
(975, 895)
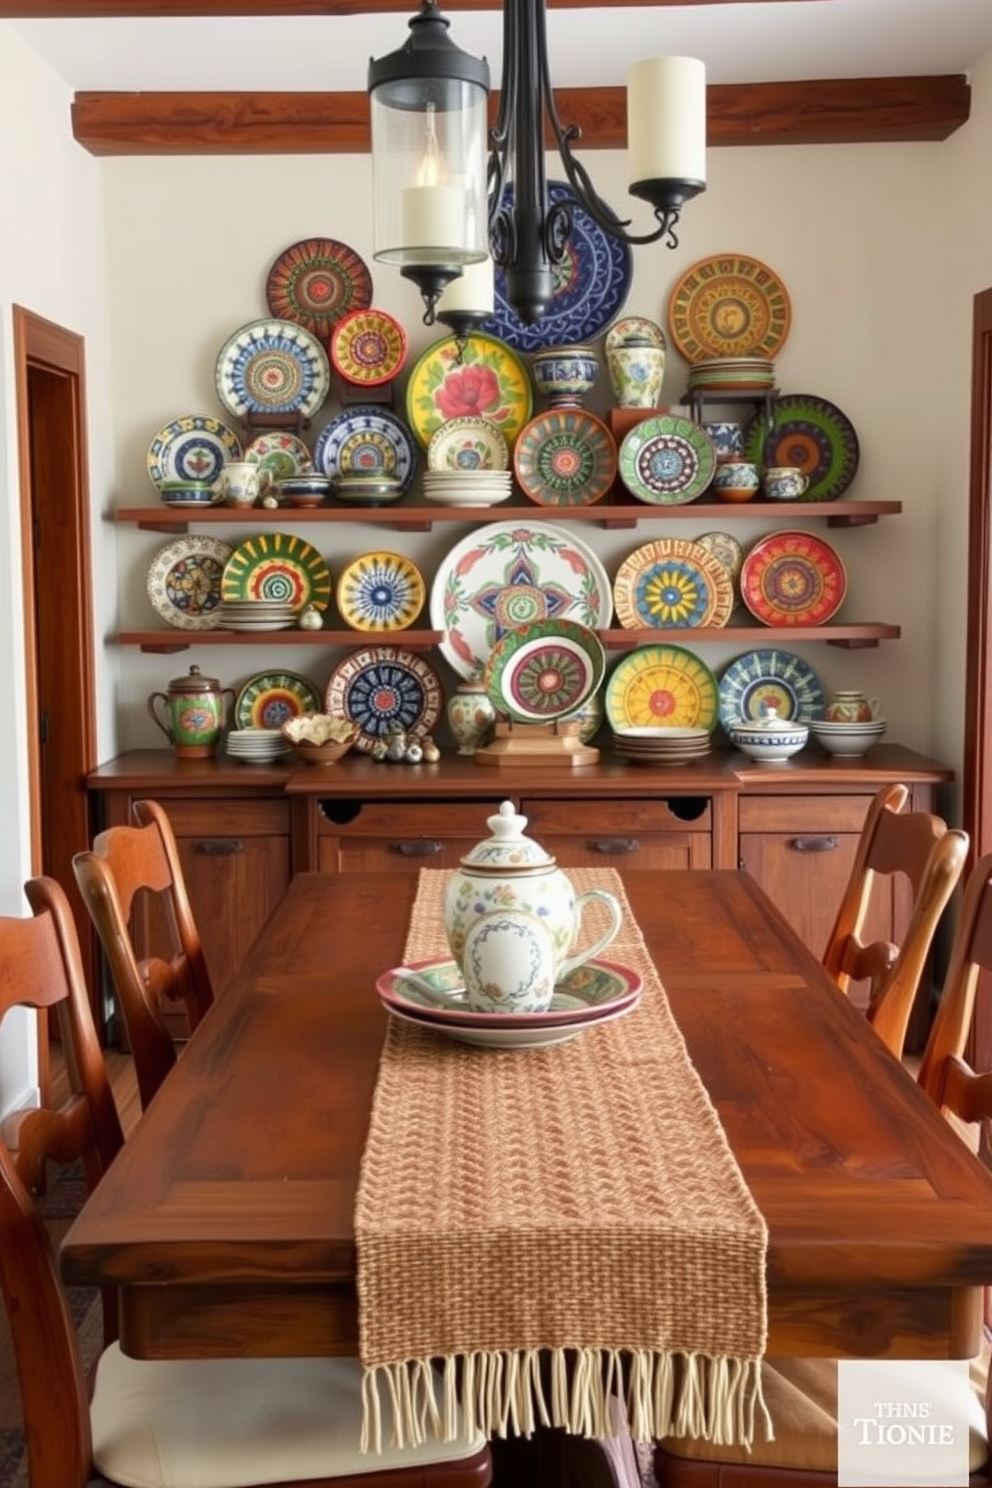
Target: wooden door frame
(41, 346)
(977, 783)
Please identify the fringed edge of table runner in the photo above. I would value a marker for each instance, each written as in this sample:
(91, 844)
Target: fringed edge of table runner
(498, 1392)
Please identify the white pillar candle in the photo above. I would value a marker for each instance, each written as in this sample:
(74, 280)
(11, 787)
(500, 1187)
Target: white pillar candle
(473, 289)
(666, 119)
(433, 216)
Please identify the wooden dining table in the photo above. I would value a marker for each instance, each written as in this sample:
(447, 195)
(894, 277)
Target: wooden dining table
(226, 1222)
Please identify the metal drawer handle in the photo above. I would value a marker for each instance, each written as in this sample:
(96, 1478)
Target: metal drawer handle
(418, 849)
(219, 847)
(814, 844)
(614, 846)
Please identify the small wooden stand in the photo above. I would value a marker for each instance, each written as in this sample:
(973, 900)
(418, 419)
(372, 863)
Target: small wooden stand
(551, 744)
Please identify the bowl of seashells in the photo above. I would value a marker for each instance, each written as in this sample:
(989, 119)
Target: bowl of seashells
(319, 738)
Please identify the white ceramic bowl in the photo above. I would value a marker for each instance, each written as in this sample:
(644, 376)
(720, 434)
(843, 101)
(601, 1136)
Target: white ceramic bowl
(769, 746)
(848, 740)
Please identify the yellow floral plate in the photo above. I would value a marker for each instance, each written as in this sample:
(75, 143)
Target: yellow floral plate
(662, 686)
(478, 375)
(672, 582)
(380, 591)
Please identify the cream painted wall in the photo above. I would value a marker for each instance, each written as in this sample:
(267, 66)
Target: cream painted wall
(51, 263)
(190, 242)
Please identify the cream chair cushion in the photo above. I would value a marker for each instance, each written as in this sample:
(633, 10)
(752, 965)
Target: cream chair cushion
(801, 1395)
(229, 1423)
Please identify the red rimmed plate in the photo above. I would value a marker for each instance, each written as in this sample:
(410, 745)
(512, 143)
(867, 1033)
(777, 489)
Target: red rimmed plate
(793, 578)
(565, 457)
(589, 994)
(368, 347)
(317, 281)
(546, 670)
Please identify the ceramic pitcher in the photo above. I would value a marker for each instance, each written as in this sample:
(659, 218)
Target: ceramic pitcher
(195, 710)
(512, 917)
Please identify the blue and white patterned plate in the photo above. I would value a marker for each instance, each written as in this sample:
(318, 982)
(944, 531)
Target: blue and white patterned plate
(590, 286)
(272, 366)
(192, 448)
(381, 686)
(367, 441)
(780, 678)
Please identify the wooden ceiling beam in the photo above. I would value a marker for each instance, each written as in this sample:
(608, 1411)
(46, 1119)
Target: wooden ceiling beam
(34, 10)
(849, 111)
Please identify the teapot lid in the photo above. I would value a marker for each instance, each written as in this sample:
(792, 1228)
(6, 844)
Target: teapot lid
(769, 722)
(194, 682)
(508, 850)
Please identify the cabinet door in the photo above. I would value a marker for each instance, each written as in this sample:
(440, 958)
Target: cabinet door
(583, 833)
(801, 850)
(235, 857)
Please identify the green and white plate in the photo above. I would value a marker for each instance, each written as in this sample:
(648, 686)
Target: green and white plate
(277, 566)
(544, 671)
(667, 460)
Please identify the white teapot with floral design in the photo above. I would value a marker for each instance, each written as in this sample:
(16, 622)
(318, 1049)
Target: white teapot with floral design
(511, 917)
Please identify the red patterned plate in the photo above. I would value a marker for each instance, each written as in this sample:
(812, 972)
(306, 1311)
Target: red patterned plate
(368, 347)
(793, 578)
(565, 457)
(315, 282)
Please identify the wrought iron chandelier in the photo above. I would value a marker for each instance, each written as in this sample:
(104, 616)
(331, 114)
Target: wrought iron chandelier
(446, 197)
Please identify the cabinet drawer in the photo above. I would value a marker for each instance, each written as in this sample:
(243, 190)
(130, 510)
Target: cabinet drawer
(216, 819)
(798, 814)
(389, 835)
(584, 817)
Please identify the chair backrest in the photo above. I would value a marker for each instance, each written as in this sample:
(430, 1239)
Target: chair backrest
(123, 862)
(944, 1075)
(931, 855)
(40, 967)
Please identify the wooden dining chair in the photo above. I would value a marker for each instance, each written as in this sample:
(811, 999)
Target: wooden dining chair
(123, 863)
(801, 1394)
(931, 856)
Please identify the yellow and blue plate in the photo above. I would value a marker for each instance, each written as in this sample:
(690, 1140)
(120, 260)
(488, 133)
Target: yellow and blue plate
(380, 591)
(672, 582)
(661, 687)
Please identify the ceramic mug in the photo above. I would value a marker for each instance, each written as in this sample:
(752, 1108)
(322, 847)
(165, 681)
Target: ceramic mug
(737, 475)
(728, 440)
(785, 483)
(241, 483)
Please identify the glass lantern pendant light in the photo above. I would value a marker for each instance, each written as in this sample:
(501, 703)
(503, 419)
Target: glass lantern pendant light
(428, 105)
(429, 147)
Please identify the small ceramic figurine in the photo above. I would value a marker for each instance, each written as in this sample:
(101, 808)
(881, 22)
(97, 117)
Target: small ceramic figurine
(310, 618)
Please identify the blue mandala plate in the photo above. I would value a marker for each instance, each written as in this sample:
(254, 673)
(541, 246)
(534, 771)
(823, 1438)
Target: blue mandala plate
(590, 286)
(758, 678)
(384, 685)
(272, 366)
(367, 441)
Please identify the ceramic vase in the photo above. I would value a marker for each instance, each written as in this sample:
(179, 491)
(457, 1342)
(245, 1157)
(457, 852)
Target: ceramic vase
(471, 716)
(637, 370)
(850, 707)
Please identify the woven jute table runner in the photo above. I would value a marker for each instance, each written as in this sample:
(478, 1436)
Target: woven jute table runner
(553, 1226)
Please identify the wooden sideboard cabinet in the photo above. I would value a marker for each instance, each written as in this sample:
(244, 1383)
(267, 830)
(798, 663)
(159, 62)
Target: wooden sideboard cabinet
(244, 830)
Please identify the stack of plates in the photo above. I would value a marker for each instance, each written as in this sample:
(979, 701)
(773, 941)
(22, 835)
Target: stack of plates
(256, 614)
(744, 372)
(257, 746)
(661, 746)
(467, 487)
(596, 992)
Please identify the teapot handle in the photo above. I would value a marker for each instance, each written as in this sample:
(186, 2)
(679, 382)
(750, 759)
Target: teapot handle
(153, 697)
(581, 957)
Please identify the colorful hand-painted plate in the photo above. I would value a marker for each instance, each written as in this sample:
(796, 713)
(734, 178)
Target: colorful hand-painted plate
(591, 282)
(192, 448)
(509, 574)
(368, 347)
(282, 455)
(672, 582)
(634, 328)
(268, 699)
(380, 591)
(468, 443)
(729, 305)
(184, 582)
(758, 679)
(367, 441)
(565, 457)
(725, 547)
(537, 673)
(793, 578)
(317, 281)
(277, 565)
(662, 686)
(667, 460)
(384, 685)
(809, 432)
(475, 376)
(272, 366)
